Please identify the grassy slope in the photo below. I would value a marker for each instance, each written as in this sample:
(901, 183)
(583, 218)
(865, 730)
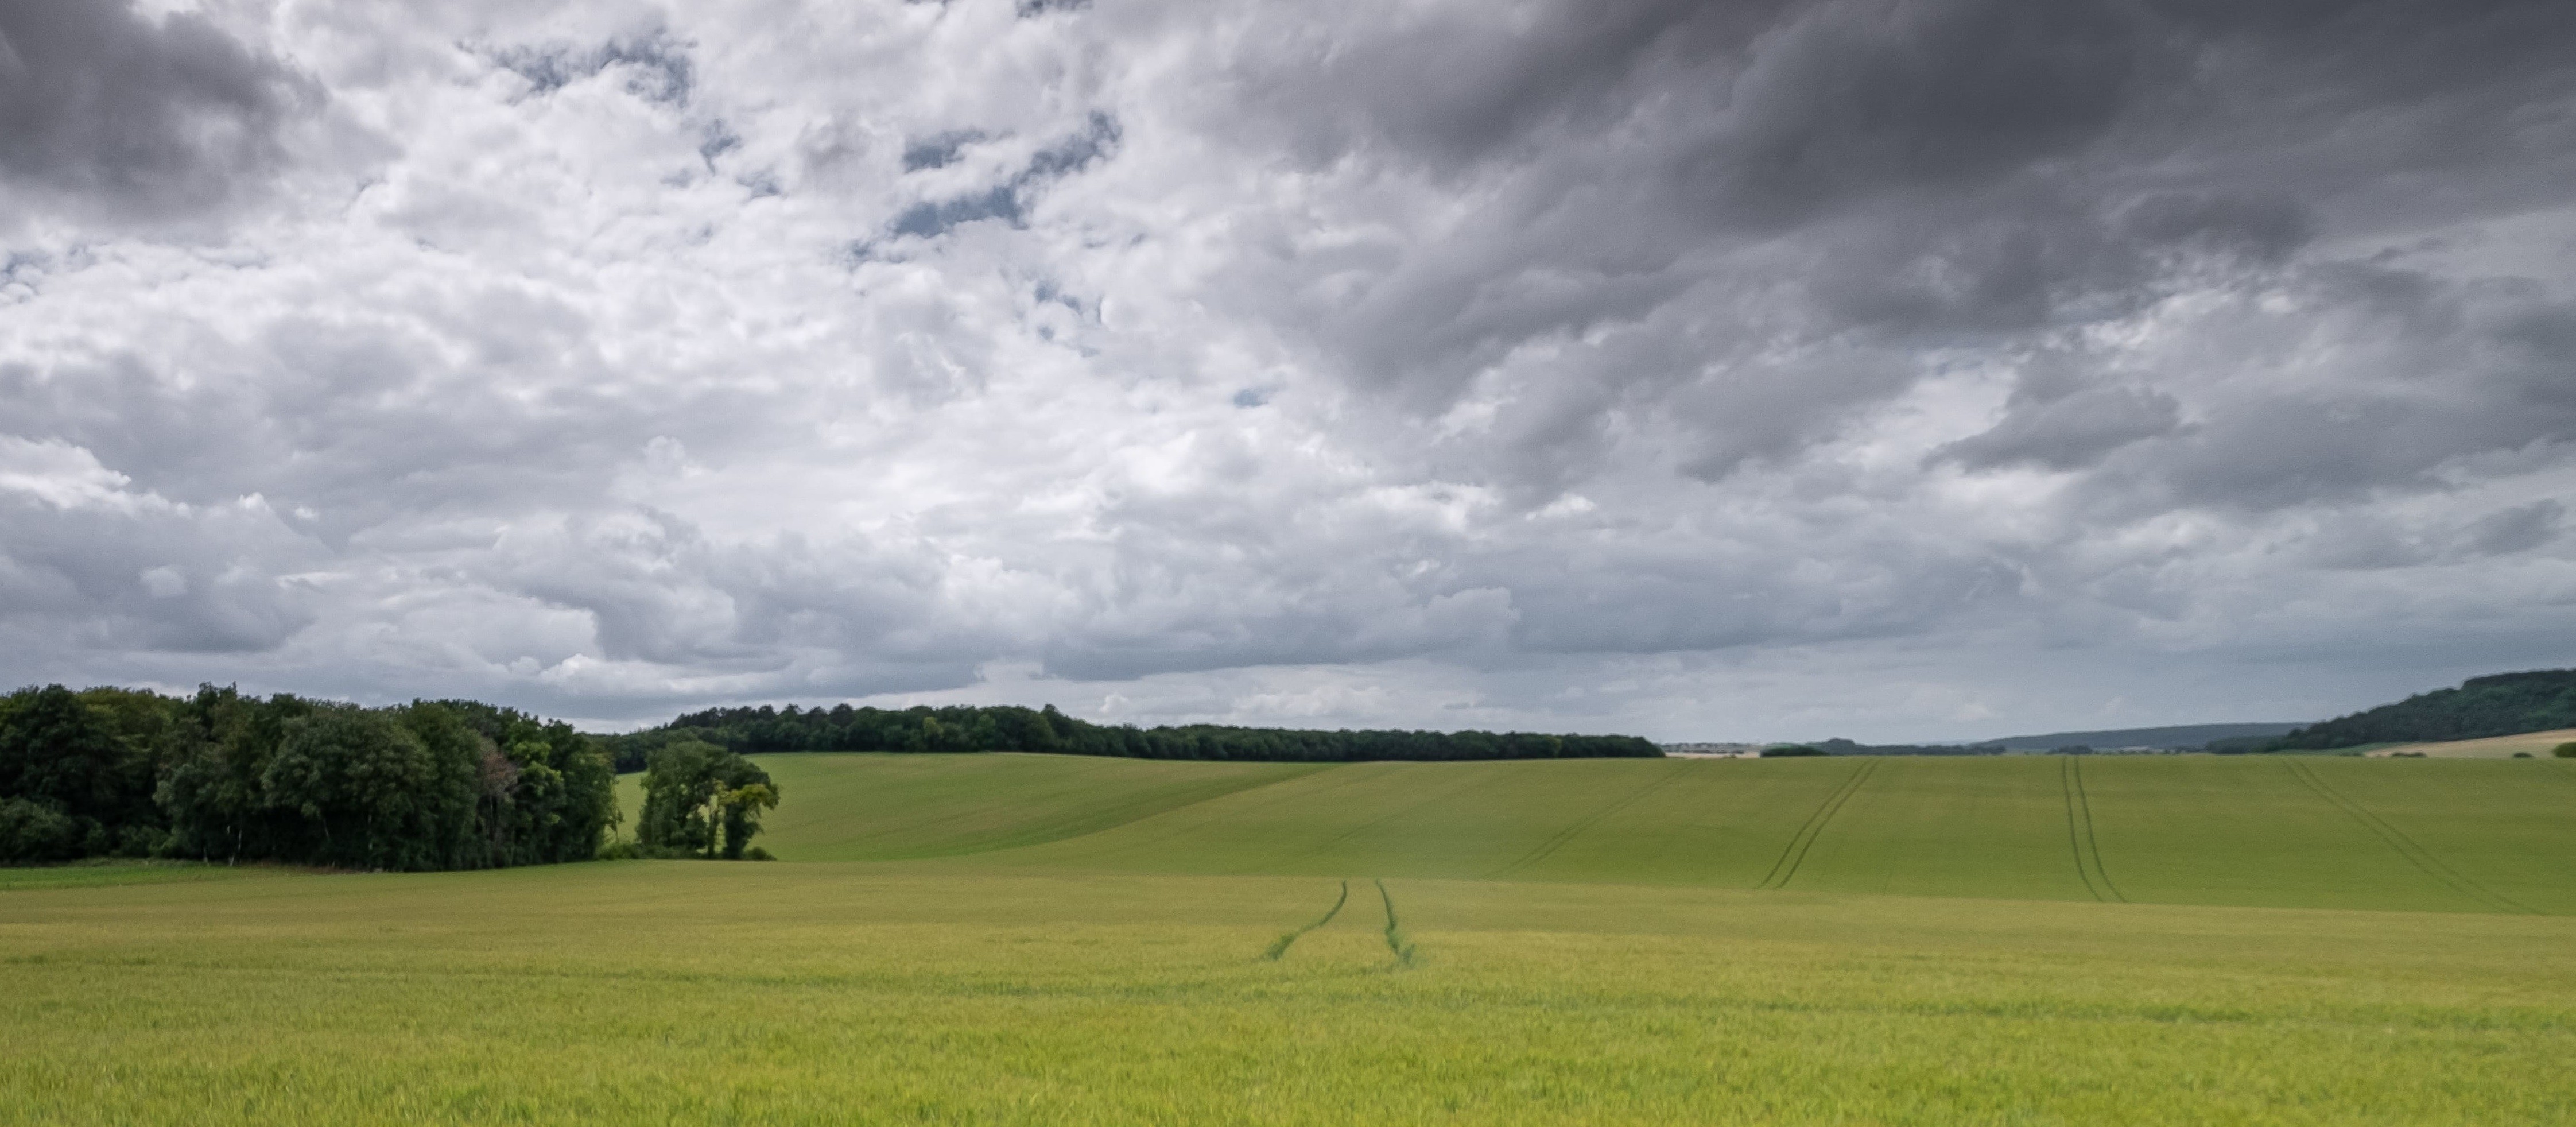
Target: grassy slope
(2257, 830)
(837, 807)
(89, 874)
(831, 993)
(2536, 744)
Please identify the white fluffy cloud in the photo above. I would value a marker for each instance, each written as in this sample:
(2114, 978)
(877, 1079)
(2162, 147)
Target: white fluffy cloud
(1899, 370)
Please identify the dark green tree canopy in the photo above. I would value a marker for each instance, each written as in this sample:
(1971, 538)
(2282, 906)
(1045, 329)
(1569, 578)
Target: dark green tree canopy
(753, 731)
(702, 799)
(2504, 704)
(223, 776)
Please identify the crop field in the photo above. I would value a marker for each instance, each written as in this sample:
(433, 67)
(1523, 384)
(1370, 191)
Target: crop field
(2534, 744)
(1006, 939)
(2276, 831)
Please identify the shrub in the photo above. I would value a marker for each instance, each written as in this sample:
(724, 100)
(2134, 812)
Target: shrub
(1790, 751)
(2564, 751)
(39, 831)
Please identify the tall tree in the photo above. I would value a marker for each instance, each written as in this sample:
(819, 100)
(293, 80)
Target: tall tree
(702, 799)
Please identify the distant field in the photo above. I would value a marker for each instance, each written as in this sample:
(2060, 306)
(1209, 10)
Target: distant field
(2535, 744)
(2276, 831)
(1031, 939)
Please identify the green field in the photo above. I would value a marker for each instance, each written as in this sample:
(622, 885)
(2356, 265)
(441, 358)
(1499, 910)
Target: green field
(990, 939)
(2276, 831)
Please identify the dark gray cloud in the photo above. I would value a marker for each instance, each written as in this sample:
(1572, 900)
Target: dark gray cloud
(111, 114)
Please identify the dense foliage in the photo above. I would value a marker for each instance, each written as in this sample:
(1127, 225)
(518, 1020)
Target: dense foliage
(701, 799)
(751, 731)
(223, 776)
(2504, 704)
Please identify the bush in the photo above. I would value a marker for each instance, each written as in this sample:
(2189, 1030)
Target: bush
(1790, 751)
(630, 851)
(2564, 751)
(39, 831)
(2522, 755)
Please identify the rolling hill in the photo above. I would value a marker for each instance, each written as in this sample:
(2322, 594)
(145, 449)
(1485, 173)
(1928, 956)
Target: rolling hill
(2503, 704)
(2173, 736)
(2288, 832)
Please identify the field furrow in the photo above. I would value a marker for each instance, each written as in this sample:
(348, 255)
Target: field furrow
(2080, 837)
(2405, 846)
(1795, 853)
(1279, 947)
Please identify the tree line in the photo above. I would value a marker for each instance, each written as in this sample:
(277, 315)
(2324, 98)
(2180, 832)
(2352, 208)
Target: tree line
(2503, 704)
(752, 731)
(222, 776)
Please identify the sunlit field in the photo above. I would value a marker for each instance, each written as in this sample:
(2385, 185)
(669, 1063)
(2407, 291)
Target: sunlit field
(2538, 745)
(1996, 941)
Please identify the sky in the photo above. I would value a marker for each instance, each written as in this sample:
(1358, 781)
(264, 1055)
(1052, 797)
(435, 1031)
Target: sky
(1703, 371)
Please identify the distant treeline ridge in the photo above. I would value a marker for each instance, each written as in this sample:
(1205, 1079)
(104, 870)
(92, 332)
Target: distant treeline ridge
(1012, 728)
(2504, 704)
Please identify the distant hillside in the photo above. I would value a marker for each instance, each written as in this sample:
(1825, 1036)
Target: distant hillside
(2500, 705)
(1847, 747)
(2179, 736)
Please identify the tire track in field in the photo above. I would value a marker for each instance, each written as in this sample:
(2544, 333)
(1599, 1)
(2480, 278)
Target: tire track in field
(1405, 952)
(2423, 859)
(1795, 855)
(1558, 839)
(1279, 947)
(2079, 833)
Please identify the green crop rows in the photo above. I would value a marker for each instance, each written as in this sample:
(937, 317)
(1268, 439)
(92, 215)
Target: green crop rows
(1004, 939)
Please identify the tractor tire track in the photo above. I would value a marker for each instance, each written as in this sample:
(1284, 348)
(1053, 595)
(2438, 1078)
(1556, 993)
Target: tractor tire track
(1558, 839)
(2080, 836)
(1279, 947)
(1405, 952)
(2423, 859)
(1786, 868)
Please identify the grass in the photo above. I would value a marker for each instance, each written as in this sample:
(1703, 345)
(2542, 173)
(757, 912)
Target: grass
(2322, 940)
(861, 807)
(2535, 744)
(2273, 831)
(92, 874)
(830, 992)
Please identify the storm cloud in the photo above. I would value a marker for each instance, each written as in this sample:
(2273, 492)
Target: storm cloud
(109, 115)
(1901, 370)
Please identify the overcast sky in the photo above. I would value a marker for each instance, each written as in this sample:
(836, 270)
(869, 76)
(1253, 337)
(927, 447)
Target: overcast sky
(1696, 370)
